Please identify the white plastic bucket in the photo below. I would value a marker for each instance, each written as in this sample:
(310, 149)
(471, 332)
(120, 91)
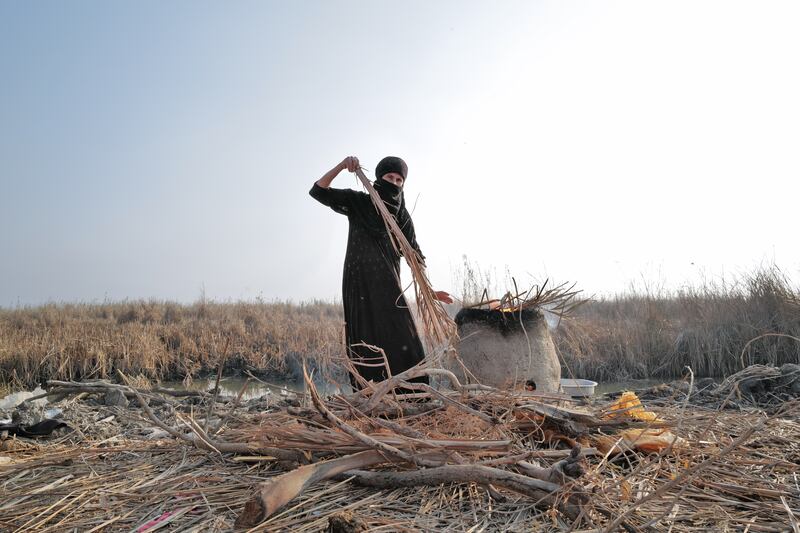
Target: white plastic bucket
(578, 387)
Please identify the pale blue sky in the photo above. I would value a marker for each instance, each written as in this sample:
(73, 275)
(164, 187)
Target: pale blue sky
(152, 149)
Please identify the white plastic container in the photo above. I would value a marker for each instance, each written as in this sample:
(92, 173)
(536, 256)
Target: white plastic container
(578, 387)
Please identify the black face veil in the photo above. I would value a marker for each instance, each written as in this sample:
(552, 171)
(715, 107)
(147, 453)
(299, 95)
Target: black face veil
(392, 195)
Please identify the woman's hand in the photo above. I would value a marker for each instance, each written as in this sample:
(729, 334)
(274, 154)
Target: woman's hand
(350, 163)
(443, 297)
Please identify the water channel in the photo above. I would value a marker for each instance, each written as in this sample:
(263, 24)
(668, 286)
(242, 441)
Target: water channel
(230, 386)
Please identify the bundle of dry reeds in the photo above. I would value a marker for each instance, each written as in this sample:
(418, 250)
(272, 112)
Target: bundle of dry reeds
(436, 323)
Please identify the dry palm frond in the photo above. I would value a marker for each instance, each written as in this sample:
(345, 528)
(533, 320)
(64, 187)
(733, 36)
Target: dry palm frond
(436, 323)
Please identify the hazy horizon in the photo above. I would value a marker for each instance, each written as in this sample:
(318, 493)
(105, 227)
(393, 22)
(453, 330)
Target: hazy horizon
(154, 151)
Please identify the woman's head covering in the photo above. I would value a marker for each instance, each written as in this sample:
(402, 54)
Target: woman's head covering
(391, 164)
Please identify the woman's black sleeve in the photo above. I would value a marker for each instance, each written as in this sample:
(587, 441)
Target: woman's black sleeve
(340, 200)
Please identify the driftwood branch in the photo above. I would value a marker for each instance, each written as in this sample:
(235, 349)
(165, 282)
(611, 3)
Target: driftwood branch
(278, 492)
(542, 492)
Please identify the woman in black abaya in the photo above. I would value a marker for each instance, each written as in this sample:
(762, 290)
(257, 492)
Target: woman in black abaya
(375, 310)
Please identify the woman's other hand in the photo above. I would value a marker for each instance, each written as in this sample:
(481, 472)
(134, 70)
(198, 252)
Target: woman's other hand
(443, 297)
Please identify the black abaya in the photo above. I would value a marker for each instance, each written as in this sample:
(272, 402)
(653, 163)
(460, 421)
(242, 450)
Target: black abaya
(375, 310)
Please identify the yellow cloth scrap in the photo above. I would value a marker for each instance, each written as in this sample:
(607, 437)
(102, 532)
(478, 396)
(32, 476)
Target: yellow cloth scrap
(629, 405)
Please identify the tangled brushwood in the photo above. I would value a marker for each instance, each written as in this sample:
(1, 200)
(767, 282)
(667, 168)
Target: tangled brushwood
(455, 458)
(561, 300)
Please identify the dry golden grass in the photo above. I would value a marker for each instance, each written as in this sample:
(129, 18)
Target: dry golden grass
(706, 328)
(160, 340)
(630, 336)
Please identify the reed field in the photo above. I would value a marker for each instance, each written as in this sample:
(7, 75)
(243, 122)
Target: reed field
(626, 337)
(716, 329)
(161, 340)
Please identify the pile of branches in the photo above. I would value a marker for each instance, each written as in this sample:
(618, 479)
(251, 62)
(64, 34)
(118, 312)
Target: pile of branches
(397, 433)
(417, 435)
(517, 460)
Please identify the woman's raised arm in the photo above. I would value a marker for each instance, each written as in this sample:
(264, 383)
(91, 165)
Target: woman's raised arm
(350, 163)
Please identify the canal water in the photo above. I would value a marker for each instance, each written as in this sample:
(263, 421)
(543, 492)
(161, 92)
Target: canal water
(630, 384)
(230, 386)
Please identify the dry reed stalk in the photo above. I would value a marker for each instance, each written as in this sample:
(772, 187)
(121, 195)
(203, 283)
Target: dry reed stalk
(436, 323)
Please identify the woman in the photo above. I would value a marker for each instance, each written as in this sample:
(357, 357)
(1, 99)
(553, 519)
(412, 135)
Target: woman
(375, 310)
